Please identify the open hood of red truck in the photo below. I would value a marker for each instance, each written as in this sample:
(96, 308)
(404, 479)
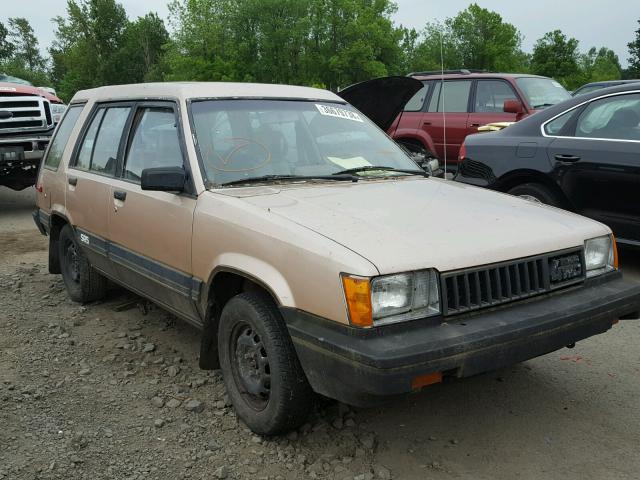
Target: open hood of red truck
(382, 99)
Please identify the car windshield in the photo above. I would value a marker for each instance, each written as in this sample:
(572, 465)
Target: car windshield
(266, 139)
(542, 92)
(10, 79)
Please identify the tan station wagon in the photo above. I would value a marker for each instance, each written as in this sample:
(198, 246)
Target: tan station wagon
(309, 248)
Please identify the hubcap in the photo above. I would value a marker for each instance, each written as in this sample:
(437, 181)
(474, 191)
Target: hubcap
(250, 365)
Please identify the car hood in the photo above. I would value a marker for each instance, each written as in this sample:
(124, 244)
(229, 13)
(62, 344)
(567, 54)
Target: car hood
(17, 88)
(382, 99)
(414, 223)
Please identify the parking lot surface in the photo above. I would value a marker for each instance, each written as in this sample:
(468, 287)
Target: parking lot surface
(112, 390)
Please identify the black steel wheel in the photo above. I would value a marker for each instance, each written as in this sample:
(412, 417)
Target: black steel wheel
(261, 370)
(83, 283)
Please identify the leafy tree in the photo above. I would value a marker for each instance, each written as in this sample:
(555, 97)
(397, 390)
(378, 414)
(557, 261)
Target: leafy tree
(476, 38)
(634, 60)
(86, 45)
(484, 41)
(141, 49)
(555, 55)
(598, 65)
(25, 44)
(6, 47)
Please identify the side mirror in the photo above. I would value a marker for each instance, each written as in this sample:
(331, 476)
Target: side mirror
(513, 106)
(163, 179)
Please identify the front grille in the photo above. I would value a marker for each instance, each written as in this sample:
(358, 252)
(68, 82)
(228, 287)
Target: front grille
(495, 284)
(27, 113)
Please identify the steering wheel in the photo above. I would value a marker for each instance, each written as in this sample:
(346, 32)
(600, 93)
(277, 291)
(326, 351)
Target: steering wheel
(241, 144)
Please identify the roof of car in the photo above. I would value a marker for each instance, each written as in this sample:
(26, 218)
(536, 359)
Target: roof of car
(610, 82)
(186, 90)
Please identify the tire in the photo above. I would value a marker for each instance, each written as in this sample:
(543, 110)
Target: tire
(266, 385)
(83, 283)
(535, 192)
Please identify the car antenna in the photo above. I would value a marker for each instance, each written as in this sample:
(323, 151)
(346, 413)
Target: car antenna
(444, 117)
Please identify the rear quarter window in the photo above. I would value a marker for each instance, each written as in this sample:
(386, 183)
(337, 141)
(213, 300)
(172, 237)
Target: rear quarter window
(61, 137)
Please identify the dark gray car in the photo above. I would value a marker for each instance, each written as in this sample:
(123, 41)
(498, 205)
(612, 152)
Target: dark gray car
(582, 155)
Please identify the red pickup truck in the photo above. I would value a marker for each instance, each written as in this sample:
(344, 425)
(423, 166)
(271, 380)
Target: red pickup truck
(28, 116)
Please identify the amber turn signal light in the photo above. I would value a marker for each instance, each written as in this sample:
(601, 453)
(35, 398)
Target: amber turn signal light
(424, 380)
(615, 251)
(357, 291)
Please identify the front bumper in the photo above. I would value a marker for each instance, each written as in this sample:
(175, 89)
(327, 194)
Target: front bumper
(362, 367)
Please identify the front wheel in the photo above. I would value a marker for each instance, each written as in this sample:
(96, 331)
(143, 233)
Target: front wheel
(83, 283)
(535, 192)
(261, 371)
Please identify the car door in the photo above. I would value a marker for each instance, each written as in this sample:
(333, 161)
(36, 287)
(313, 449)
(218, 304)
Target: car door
(91, 169)
(446, 117)
(598, 162)
(488, 104)
(150, 231)
(410, 119)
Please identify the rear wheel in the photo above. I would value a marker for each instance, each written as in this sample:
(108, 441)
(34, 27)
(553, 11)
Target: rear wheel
(83, 283)
(261, 371)
(535, 192)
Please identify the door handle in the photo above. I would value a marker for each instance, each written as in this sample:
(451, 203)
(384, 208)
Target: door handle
(426, 124)
(567, 158)
(72, 181)
(120, 195)
(475, 124)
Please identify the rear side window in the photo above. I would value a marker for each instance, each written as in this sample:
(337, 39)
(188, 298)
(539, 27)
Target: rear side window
(99, 149)
(616, 118)
(155, 142)
(491, 95)
(452, 97)
(417, 101)
(60, 139)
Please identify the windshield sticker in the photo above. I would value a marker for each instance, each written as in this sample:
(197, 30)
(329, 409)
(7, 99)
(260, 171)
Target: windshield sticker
(338, 112)
(556, 84)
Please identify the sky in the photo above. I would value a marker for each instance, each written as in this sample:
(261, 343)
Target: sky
(610, 23)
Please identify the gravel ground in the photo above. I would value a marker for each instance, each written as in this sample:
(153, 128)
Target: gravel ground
(112, 390)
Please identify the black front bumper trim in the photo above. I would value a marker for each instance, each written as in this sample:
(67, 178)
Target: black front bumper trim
(344, 364)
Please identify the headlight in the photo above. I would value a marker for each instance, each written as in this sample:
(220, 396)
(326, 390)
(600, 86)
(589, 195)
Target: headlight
(57, 110)
(392, 298)
(600, 255)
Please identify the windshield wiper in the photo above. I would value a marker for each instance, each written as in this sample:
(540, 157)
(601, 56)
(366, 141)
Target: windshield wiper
(543, 105)
(274, 178)
(384, 169)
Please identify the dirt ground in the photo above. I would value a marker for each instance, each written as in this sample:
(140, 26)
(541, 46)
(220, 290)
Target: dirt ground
(101, 391)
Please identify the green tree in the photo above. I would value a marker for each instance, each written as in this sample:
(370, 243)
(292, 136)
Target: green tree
(634, 60)
(87, 42)
(25, 44)
(6, 47)
(555, 55)
(476, 38)
(600, 64)
(141, 49)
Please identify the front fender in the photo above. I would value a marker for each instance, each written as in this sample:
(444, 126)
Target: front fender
(258, 271)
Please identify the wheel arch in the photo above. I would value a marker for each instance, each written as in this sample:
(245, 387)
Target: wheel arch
(520, 177)
(225, 282)
(57, 221)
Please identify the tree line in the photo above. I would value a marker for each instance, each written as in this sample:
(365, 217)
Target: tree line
(326, 43)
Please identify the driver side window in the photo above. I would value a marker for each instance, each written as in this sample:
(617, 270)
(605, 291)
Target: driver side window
(154, 142)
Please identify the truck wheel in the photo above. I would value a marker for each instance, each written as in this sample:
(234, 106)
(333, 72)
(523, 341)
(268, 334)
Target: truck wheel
(535, 192)
(83, 283)
(261, 371)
